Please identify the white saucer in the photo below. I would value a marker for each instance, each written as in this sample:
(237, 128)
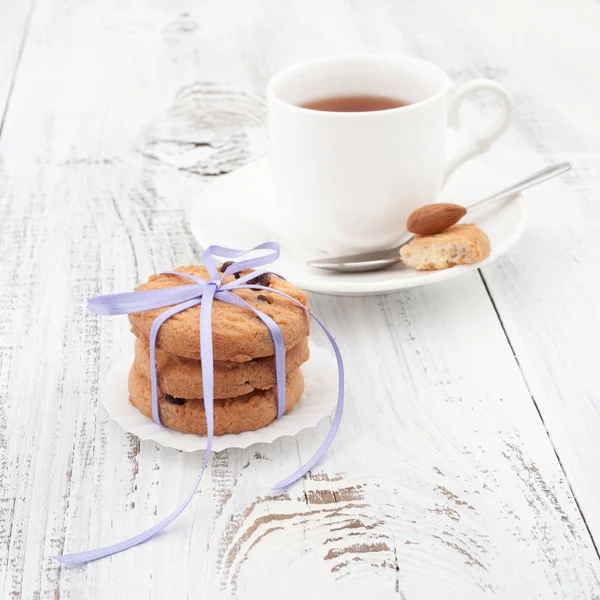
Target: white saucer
(239, 211)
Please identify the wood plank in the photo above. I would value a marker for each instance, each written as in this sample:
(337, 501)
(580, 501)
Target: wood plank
(545, 289)
(545, 294)
(442, 481)
(14, 19)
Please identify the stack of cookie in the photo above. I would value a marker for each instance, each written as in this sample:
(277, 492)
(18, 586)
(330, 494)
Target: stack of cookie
(244, 362)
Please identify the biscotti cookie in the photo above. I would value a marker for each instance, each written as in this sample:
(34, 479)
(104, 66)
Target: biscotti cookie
(238, 334)
(182, 377)
(232, 415)
(458, 245)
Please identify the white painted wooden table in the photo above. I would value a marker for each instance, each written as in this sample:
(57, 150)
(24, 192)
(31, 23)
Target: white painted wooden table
(467, 462)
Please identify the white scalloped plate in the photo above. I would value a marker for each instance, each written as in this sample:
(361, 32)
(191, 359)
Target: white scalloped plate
(317, 403)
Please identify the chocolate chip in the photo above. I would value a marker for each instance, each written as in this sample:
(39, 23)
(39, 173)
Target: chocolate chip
(171, 400)
(263, 280)
(263, 298)
(226, 265)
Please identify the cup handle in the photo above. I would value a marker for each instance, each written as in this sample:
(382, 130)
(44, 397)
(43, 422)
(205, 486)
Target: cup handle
(483, 141)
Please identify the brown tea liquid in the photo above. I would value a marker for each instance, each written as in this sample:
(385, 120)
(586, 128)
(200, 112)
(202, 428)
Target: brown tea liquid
(362, 103)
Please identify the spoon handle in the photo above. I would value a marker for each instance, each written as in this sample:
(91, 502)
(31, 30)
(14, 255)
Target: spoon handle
(539, 177)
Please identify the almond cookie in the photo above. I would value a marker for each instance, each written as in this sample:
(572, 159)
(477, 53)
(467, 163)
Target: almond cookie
(459, 245)
(231, 415)
(238, 334)
(182, 377)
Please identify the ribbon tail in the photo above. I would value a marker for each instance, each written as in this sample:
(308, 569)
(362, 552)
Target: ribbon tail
(335, 423)
(80, 558)
(337, 417)
(132, 302)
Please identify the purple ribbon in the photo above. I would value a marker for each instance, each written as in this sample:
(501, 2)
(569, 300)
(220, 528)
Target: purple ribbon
(204, 292)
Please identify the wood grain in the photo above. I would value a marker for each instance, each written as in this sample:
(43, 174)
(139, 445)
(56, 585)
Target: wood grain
(444, 481)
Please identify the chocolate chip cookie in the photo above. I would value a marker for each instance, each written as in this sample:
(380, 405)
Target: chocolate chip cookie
(238, 334)
(231, 415)
(182, 377)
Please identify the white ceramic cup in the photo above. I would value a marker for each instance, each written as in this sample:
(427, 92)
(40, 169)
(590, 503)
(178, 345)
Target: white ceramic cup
(346, 182)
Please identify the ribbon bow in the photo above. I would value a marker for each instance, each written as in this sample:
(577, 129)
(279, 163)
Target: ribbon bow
(203, 293)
